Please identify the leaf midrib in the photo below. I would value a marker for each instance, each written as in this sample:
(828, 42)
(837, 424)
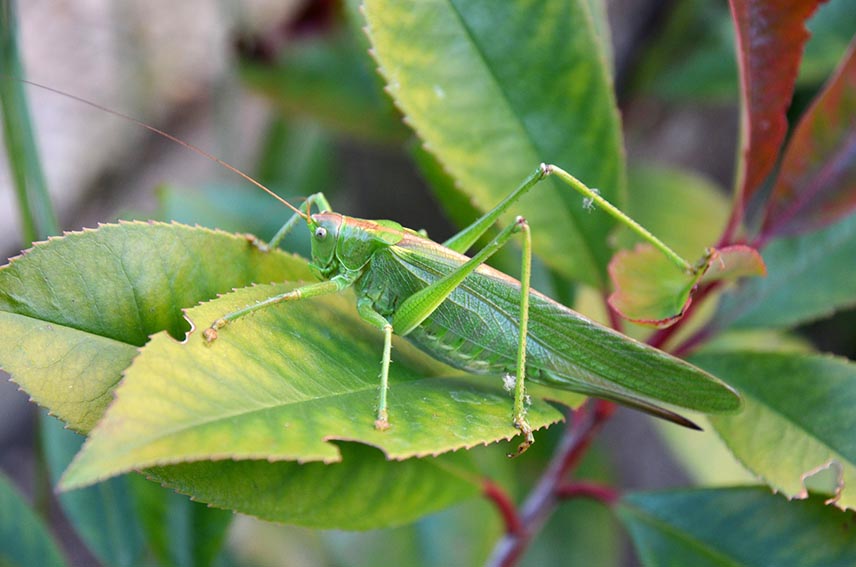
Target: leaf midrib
(527, 135)
(685, 536)
(187, 426)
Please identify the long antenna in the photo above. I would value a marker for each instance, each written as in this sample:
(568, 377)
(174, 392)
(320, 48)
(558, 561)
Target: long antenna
(168, 136)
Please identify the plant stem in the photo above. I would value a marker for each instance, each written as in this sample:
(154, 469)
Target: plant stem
(615, 320)
(585, 423)
(504, 505)
(38, 220)
(620, 216)
(601, 492)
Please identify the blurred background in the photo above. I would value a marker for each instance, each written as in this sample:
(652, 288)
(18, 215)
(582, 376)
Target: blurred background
(285, 90)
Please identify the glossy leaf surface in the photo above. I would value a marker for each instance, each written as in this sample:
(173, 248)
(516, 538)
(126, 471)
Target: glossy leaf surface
(737, 527)
(74, 310)
(808, 277)
(364, 491)
(798, 418)
(492, 96)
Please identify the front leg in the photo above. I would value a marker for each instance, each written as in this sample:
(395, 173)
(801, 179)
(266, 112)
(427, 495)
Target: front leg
(312, 290)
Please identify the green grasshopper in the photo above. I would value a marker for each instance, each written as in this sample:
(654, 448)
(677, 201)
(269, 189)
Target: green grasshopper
(473, 317)
(477, 319)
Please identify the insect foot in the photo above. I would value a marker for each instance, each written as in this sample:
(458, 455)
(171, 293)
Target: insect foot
(382, 421)
(210, 334)
(526, 430)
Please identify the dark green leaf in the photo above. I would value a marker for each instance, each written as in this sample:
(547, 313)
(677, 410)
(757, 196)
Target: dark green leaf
(737, 527)
(808, 277)
(364, 491)
(798, 418)
(34, 203)
(181, 532)
(694, 57)
(103, 516)
(24, 539)
(493, 95)
(581, 531)
(462, 535)
(329, 79)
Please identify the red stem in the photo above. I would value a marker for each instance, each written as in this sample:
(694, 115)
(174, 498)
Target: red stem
(606, 494)
(615, 320)
(544, 498)
(505, 506)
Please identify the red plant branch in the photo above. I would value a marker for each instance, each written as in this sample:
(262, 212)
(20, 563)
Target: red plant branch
(544, 498)
(606, 494)
(504, 505)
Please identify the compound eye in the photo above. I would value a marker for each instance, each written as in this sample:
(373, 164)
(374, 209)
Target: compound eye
(320, 233)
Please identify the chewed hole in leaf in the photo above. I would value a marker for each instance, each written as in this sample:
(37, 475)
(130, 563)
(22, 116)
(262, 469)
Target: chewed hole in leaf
(826, 479)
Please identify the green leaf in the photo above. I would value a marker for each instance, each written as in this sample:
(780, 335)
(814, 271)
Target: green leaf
(24, 539)
(703, 455)
(69, 327)
(733, 262)
(737, 527)
(693, 59)
(832, 29)
(35, 210)
(492, 96)
(282, 384)
(459, 208)
(809, 277)
(463, 535)
(684, 209)
(180, 532)
(364, 491)
(330, 80)
(798, 418)
(103, 516)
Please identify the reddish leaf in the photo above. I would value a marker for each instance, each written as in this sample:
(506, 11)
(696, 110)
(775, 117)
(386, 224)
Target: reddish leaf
(652, 291)
(733, 262)
(649, 288)
(770, 38)
(817, 182)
